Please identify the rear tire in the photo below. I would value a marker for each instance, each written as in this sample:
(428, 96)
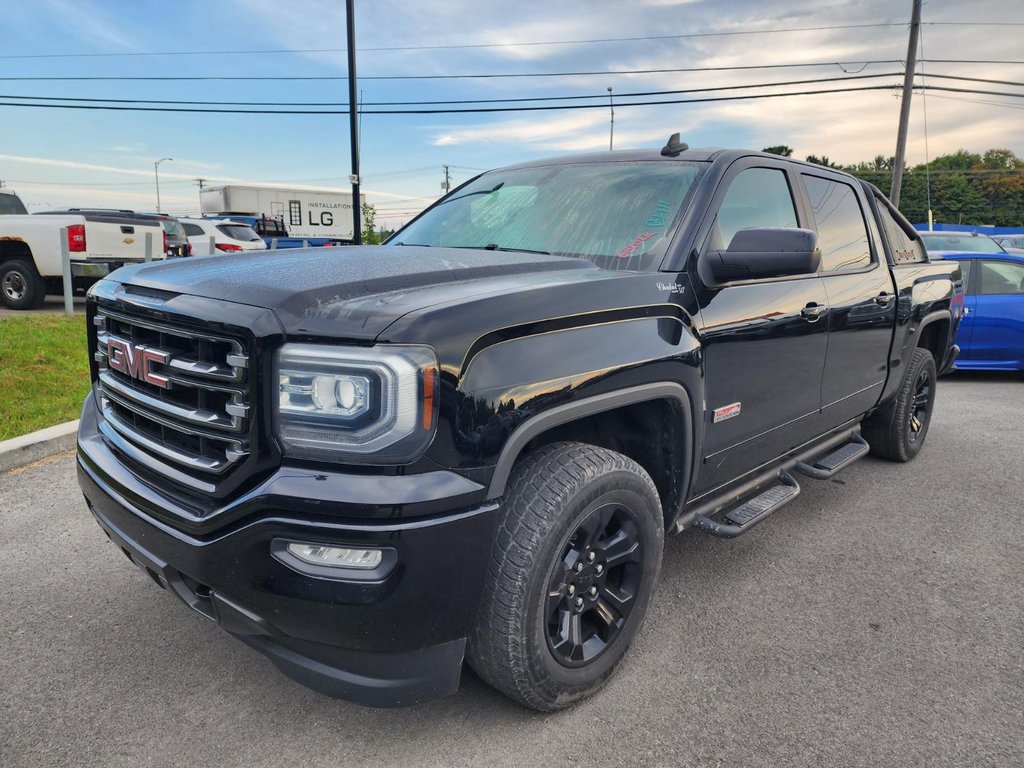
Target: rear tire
(897, 432)
(572, 572)
(21, 287)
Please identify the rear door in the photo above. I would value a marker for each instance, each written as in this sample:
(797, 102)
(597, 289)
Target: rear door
(997, 339)
(861, 297)
(764, 340)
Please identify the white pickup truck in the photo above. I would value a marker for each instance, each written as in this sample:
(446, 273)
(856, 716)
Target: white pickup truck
(98, 243)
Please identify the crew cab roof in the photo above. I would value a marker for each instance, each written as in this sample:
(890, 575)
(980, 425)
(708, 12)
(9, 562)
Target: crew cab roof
(697, 155)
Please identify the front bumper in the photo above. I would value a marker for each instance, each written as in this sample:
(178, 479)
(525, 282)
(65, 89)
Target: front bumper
(394, 641)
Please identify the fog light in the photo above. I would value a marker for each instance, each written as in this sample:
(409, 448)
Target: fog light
(339, 557)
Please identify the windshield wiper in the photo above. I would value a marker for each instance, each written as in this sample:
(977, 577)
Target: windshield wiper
(413, 245)
(492, 190)
(496, 247)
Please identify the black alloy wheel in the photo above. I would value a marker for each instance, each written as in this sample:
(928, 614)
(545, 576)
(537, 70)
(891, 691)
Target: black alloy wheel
(897, 430)
(572, 572)
(920, 408)
(592, 588)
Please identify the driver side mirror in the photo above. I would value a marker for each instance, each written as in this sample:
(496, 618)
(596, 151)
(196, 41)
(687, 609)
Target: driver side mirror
(762, 253)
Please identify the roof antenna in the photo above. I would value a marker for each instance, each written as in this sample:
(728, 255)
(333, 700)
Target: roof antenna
(674, 146)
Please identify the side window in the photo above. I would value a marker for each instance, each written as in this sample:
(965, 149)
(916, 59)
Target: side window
(757, 197)
(11, 204)
(192, 230)
(1001, 278)
(965, 270)
(904, 248)
(842, 235)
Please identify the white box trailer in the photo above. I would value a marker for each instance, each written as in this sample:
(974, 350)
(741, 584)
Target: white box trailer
(305, 212)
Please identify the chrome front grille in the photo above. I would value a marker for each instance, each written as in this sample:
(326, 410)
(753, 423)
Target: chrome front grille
(172, 396)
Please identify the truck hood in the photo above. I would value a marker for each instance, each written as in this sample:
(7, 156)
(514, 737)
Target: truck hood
(355, 292)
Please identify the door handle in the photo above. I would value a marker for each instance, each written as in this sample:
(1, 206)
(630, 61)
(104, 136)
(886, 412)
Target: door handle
(967, 311)
(812, 313)
(884, 299)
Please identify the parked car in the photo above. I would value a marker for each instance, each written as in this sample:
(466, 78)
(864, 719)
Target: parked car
(31, 264)
(939, 243)
(274, 233)
(471, 442)
(1012, 243)
(991, 335)
(175, 243)
(228, 236)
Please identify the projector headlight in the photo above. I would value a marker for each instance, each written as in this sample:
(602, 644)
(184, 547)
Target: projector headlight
(375, 405)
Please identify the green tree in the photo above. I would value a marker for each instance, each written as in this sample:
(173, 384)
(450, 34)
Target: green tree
(779, 149)
(370, 234)
(823, 160)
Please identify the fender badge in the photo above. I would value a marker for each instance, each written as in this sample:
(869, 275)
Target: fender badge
(727, 412)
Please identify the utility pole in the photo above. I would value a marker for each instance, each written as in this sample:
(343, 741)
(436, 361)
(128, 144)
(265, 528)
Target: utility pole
(446, 185)
(201, 182)
(353, 120)
(908, 89)
(611, 127)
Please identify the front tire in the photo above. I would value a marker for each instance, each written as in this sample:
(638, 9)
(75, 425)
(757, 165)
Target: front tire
(897, 432)
(571, 576)
(21, 287)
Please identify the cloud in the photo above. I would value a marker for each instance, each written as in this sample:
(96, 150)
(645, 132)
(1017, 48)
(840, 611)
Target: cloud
(90, 21)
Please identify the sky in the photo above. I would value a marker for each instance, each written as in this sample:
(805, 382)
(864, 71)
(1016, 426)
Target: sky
(59, 158)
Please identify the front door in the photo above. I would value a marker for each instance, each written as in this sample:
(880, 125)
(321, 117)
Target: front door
(764, 340)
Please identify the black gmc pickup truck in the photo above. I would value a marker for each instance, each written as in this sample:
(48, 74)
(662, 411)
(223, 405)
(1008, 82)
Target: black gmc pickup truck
(372, 464)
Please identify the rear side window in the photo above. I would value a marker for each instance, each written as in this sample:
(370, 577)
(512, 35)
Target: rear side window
(241, 232)
(757, 197)
(11, 204)
(842, 234)
(1001, 278)
(192, 230)
(904, 248)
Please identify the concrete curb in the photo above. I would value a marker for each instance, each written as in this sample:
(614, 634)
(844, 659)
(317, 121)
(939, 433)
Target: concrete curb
(19, 451)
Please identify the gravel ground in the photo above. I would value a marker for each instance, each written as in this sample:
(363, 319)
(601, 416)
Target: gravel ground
(877, 621)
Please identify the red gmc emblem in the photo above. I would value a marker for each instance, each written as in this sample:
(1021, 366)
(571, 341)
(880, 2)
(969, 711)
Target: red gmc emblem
(136, 361)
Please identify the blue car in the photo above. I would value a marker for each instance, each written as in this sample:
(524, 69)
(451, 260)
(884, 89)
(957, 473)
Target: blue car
(991, 335)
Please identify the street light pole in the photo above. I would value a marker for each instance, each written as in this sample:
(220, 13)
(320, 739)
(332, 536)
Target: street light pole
(156, 174)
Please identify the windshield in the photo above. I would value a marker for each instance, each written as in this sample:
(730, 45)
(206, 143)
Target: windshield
(242, 232)
(968, 243)
(616, 214)
(173, 228)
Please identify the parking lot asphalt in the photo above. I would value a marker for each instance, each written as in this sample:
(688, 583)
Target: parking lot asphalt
(52, 305)
(877, 621)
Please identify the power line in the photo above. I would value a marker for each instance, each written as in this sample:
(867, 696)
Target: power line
(485, 75)
(979, 101)
(435, 111)
(481, 110)
(450, 46)
(518, 44)
(526, 99)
